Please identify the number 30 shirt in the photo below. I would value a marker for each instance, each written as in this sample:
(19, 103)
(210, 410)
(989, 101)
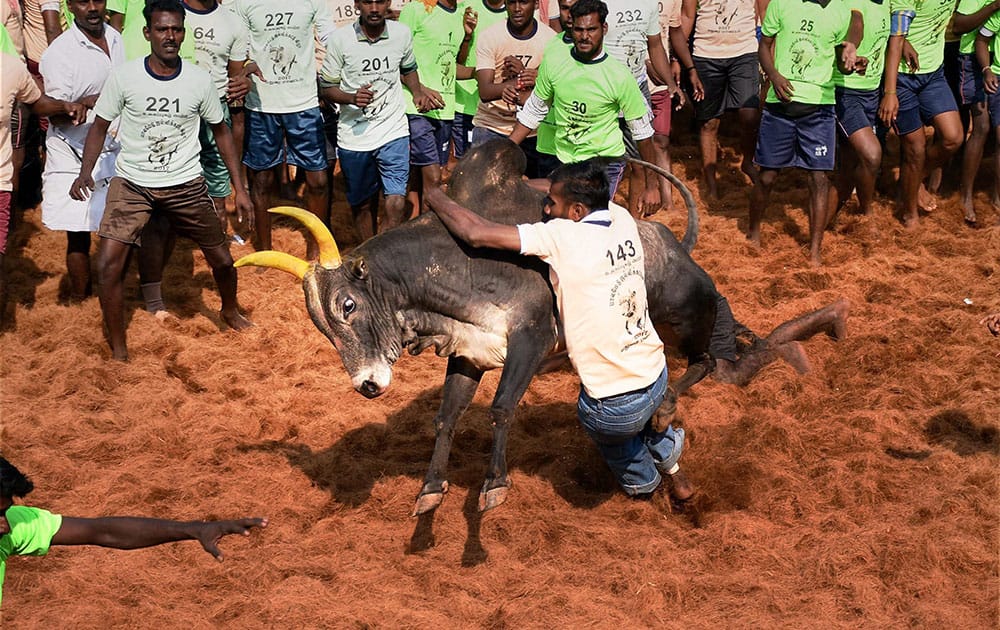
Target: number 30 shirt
(160, 118)
(597, 270)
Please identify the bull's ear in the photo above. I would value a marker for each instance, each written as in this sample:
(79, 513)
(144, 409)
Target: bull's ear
(358, 268)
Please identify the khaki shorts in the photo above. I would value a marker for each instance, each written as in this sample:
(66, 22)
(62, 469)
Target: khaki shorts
(186, 206)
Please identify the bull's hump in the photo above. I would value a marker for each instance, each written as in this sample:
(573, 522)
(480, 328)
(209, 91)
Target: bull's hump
(482, 339)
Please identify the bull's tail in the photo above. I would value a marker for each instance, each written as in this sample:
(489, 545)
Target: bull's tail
(691, 235)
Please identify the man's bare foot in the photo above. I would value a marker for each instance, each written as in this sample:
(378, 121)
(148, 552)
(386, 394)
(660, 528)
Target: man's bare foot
(911, 222)
(712, 188)
(120, 355)
(163, 316)
(236, 320)
(925, 200)
(680, 488)
(793, 354)
(754, 237)
(970, 213)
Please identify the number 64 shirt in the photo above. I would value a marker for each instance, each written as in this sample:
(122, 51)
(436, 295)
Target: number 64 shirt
(597, 270)
(160, 118)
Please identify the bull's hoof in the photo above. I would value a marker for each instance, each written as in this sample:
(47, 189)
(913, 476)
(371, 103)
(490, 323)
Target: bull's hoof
(489, 499)
(428, 501)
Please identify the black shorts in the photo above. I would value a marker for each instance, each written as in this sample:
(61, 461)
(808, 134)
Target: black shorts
(732, 83)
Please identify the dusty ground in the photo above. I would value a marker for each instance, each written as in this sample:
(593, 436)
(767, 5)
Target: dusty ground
(864, 494)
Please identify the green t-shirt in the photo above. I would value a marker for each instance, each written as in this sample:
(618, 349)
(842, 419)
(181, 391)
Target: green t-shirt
(584, 99)
(136, 44)
(467, 90)
(545, 141)
(876, 16)
(927, 31)
(31, 532)
(992, 29)
(968, 7)
(7, 44)
(806, 36)
(437, 36)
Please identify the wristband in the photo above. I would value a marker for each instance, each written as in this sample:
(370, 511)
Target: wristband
(689, 69)
(888, 91)
(987, 68)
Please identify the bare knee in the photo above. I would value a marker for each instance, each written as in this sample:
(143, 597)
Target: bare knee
(316, 181)
(218, 258)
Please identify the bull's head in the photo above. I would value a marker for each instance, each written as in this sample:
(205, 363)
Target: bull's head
(342, 305)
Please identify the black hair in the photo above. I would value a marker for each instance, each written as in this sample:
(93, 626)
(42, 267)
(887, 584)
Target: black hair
(169, 6)
(584, 182)
(13, 483)
(586, 7)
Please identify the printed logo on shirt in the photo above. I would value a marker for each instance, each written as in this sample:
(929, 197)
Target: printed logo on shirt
(802, 53)
(164, 139)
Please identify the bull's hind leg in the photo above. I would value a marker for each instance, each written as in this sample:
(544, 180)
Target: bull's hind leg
(460, 386)
(524, 354)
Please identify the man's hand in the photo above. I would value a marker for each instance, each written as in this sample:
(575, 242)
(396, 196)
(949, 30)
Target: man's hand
(782, 87)
(81, 187)
(511, 95)
(697, 89)
(675, 70)
(427, 100)
(649, 203)
(526, 78)
(77, 112)
(364, 96)
(470, 21)
(244, 209)
(238, 87)
(211, 532)
(888, 109)
(88, 101)
(512, 66)
(990, 81)
(992, 323)
(848, 56)
(861, 66)
(910, 56)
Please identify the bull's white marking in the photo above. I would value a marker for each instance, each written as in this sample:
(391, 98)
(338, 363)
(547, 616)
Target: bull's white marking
(483, 342)
(379, 373)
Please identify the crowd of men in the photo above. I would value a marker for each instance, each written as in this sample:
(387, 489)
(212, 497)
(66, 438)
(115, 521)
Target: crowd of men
(155, 113)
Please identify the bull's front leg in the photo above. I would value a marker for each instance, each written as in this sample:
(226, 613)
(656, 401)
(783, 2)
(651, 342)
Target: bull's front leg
(460, 386)
(525, 352)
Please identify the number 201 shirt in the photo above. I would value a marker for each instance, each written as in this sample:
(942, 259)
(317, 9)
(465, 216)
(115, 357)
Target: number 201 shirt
(160, 118)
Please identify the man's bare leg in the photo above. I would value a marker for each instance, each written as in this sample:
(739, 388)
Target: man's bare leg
(749, 127)
(661, 147)
(819, 215)
(759, 196)
(317, 202)
(974, 145)
(636, 186)
(221, 262)
(365, 217)
(112, 257)
(911, 172)
(395, 212)
(78, 265)
(708, 140)
(158, 241)
(262, 185)
(948, 137)
(861, 159)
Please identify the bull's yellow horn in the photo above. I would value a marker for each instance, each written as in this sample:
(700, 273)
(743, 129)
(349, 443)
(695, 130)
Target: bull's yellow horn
(275, 260)
(329, 254)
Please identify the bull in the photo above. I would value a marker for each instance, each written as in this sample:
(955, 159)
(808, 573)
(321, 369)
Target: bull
(415, 286)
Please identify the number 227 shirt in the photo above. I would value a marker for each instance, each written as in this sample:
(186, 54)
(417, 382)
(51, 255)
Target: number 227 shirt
(597, 270)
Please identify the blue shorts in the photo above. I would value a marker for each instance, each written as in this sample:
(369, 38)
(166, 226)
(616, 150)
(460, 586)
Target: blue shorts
(620, 427)
(993, 100)
(212, 166)
(857, 109)
(970, 81)
(808, 142)
(921, 98)
(387, 167)
(429, 140)
(296, 138)
(461, 133)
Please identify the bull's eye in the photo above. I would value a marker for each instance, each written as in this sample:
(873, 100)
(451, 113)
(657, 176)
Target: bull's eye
(349, 306)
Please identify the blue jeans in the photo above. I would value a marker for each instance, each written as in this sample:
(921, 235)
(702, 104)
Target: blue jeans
(620, 427)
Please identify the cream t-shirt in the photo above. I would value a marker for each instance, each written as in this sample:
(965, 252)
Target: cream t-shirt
(16, 84)
(724, 29)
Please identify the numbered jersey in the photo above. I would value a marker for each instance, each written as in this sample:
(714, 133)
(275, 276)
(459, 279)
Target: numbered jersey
(219, 37)
(352, 62)
(876, 16)
(806, 35)
(282, 43)
(630, 25)
(724, 29)
(494, 45)
(343, 13)
(160, 118)
(597, 270)
(437, 36)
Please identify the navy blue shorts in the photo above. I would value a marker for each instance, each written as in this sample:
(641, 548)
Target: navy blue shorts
(387, 167)
(429, 140)
(461, 133)
(993, 100)
(921, 98)
(970, 81)
(732, 83)
(808, 142)
(296, 138)
(857, 109)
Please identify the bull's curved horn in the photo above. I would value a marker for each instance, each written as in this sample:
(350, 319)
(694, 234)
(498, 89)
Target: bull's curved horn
(275, 260)
(329, 254)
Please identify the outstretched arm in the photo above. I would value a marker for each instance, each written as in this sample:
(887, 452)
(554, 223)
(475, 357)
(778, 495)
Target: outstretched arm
(125, 532)
(469, 226)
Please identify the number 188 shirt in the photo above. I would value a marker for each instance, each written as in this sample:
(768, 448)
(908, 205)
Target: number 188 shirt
(597, 270)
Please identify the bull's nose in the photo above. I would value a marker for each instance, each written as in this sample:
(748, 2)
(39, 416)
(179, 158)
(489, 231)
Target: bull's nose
(370, 389)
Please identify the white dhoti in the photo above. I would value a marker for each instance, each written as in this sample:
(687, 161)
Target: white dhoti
(62, 166)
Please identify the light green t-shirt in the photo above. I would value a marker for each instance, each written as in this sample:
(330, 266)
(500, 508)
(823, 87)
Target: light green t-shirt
(805, 39)
(545, 141)
(991, 29)
(7, 46)
(927, 31)
(136, 44)
(437, 36)
(31, 532)
(467, 90)
(585, 99)
(219, 36)
(160, 119)
(968, 7)
(876, 16)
